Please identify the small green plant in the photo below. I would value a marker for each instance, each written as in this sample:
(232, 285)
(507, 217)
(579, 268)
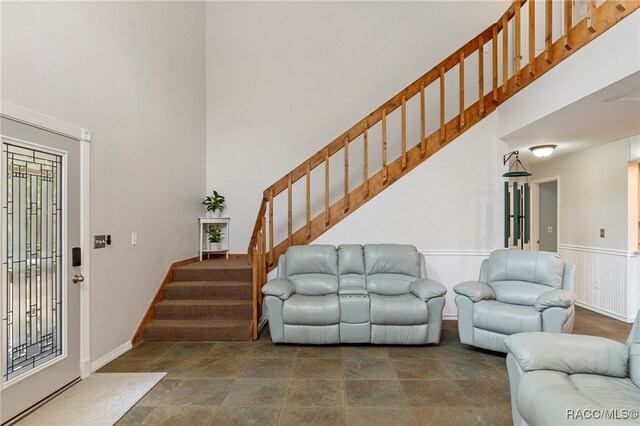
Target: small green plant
(214, 202)
(215, 234)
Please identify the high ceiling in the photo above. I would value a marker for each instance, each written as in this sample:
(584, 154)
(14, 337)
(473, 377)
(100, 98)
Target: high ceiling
(607, 115)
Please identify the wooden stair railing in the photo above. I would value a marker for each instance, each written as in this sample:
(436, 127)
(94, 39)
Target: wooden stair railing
(264, 250)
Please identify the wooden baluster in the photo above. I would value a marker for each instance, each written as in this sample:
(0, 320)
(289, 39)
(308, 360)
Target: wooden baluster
(308, 201)
(385, 174)
(346, 174)
(568, 22)
(591, 16)
(494, 62)
(366, 161)
(620, 5)
(518, 48)
(548, 31)
(423, 123)
(326, 187)
(403, 161)
(481, 75)
(461, 116)
(271, 227)
(532, 37)
(443, 134)
(505, 53)
(290, 210)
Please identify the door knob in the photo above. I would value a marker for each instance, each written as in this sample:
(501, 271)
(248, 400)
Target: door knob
(77, 279)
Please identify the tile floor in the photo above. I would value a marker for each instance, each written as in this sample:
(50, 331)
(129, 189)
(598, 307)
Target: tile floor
(265, 384)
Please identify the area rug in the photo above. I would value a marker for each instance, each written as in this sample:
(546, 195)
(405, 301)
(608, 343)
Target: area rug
(100, 399)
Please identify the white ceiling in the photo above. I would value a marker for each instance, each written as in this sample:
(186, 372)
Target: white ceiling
(605, 116)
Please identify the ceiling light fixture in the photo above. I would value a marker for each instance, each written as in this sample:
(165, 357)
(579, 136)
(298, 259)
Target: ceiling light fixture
(542, 150)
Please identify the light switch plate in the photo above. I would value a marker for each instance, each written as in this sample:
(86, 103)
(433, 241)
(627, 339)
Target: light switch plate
(99, 241)
(601, 232)
(549, 229)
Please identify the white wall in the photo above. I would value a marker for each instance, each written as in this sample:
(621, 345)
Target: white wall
(593, 195)
(133, 74)
(286, 78)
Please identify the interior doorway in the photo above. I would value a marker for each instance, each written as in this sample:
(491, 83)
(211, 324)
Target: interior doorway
(545, 214)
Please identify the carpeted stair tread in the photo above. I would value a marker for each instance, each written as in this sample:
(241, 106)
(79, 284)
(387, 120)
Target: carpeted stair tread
(204, 309)
(192, 290)
(186, 330)
(215, 270)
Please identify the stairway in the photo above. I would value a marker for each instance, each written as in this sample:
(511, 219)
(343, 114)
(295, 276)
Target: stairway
(207, 301)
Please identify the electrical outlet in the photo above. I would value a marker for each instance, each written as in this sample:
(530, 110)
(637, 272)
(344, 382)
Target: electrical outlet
(601, 232)
(596, 284)
(134, 238)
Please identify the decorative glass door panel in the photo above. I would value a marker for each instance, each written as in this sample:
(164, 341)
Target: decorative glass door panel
(33, 295)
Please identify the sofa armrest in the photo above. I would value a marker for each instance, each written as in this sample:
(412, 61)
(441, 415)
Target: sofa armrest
(281, 288)
(425, 289)
(555, 298)
(569, 353)
(353, 290)
(475, 290)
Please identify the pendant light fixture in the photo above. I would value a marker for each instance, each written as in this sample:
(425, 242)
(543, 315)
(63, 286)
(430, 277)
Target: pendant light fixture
(516, 193)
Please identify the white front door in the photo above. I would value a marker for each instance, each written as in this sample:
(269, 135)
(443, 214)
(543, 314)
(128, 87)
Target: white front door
(40, 193)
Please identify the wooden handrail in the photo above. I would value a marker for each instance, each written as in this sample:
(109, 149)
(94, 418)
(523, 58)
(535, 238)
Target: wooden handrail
(574, 37)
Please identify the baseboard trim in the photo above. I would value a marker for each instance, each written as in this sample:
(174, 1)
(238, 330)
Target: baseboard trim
(602, 311)
(107, 358)
(149, 315)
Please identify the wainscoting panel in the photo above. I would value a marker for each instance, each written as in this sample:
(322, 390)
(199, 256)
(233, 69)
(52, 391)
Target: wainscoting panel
(452, 267)
(605, 279)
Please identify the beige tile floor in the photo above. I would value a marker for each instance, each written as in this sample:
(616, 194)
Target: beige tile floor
(259, 383)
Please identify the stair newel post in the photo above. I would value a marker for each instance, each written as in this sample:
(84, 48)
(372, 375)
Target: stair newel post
(423, 123)
(366, 160)
(346, 174)
(532, 37)
(443, 133)
(591, 16)
(517, 41)
(326, 186)
(461, 115)
(481, 75)
(403, 161)
(494, 61)
(505, 53)
(548, 31)
(289, 210)
(385, 174)
(271, 260)
(568, 22)
(308, 201)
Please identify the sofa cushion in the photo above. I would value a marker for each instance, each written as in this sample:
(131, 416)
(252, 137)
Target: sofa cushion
(311, 310)
(389, 284)
(314, 284)
(539, 267)
(548, 397)
(351, 266)
(404, 309)
(518, 292)
(505, 318)
(392, 259)
(311, 259)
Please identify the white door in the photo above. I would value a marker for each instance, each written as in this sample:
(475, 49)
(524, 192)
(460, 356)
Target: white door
(40, 193)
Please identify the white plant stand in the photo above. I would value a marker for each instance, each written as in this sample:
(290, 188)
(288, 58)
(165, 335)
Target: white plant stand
(223, 224)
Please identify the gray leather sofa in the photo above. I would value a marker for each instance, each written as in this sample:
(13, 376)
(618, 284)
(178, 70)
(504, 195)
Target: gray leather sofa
(571, 379)
(378, 293)
(518, 291)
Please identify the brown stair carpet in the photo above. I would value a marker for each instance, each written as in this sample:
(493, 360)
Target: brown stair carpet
(207, 301)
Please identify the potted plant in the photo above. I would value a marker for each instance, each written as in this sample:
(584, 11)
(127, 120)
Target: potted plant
(214, 204)
(215, 236)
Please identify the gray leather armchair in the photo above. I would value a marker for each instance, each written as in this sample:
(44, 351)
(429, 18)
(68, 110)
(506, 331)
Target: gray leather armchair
(518, 291)
(378, 293)
(573, 379)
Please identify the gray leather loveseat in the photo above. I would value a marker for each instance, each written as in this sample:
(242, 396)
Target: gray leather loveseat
(574, 380)
(378, 293)
(518, 291)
